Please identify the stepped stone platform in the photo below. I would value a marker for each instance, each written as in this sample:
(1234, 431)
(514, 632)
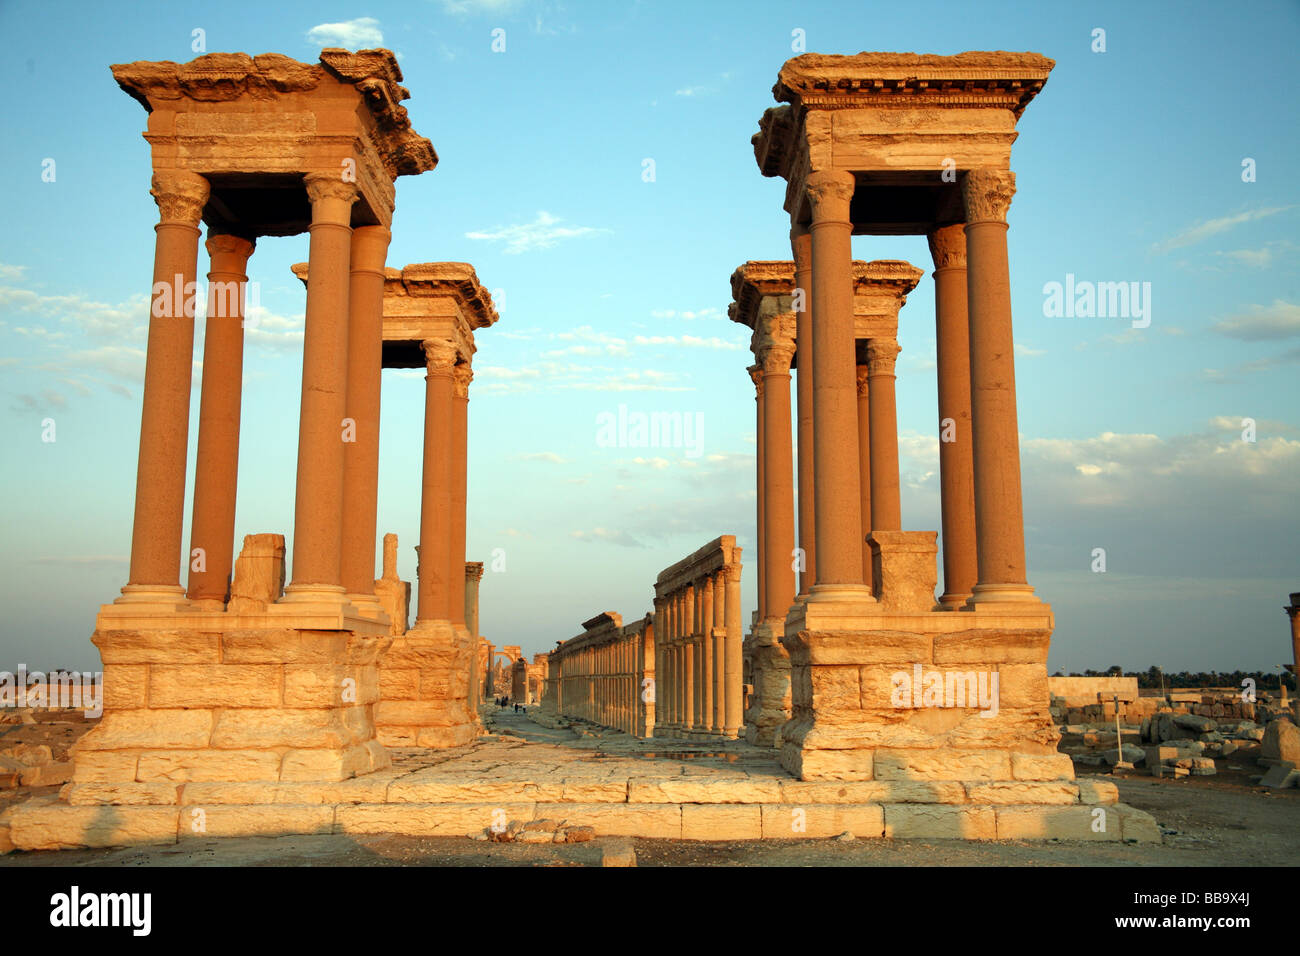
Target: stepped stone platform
(584, 776)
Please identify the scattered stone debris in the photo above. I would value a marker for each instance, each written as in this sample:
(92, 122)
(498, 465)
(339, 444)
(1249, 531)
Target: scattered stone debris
(535, 831)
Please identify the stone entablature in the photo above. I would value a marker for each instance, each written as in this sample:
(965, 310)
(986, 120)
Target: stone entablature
(897, 119)
(255, 125)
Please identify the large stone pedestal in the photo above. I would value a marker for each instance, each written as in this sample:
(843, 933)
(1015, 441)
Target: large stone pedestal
(879, 695)
(284, 693)
(424, 687)
(770, 675)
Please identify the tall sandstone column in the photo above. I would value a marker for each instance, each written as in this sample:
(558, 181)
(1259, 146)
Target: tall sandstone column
(801, 248)
(734, 652)
(838, 514)
(952, 355)
(705, 722)
(999, 519)
(756, 374)
(364, 368)
(777, 476)
(885, 508)
(318, 509)
(216, 465)
(435, 499)
(458, 455)
(864, 464)
(165, 418)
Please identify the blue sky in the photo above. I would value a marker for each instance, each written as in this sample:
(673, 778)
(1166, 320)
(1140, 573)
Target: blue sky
(614, 290)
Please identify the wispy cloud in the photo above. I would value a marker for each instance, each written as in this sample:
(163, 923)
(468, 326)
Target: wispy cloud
(363, 33)
(689, 342)
(1212, 227)
(604, 535)
(1259, 323)
(549, 457)
(543, 232)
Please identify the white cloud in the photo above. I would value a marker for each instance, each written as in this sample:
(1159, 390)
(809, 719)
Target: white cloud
(1281, 320)
(463, 8)
(363, 33)
(547, 456)
(689, 342)
(1212, 227)
(543, 232)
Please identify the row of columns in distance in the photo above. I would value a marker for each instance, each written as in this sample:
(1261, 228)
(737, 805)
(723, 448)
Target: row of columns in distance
(698, 661)
(602, 678)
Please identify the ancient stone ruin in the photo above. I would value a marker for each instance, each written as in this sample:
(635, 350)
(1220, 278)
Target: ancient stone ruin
(858, 698)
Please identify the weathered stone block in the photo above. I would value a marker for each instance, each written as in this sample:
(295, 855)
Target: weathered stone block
(943, 765)
(811, 821)
(243, 821)
(146, 729)
(721, 822)
(215, 685)
(937, 821)
(181, 766)
(1041, 767)
(1057, 823)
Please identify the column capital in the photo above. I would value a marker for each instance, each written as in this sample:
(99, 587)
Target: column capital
(180, 196)
(986, 193)
(756, 376)
(462, 376)
(948, 246)
(439, 356)
(329, 186)
(881, 356)
(829, 193)
(732, 570)
(863, 378)
(229, 252)
(773, 343)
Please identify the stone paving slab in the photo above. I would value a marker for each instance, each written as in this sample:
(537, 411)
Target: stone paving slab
(618, 785)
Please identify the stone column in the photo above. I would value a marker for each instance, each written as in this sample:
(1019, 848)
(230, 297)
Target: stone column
(458, 464)
(864, 462)
(838, 513)
(165, 418)
(999, 519)
(657, 685)
(734, 652)
(318, 509)
(364, 368)
(688, 660)
(717, 628)
(778, 478)
(705, 722)
(885, 509)
(436, 492)
(801, 246)
(952, 355)
(473, 575)
(756, 374)
(216, 466)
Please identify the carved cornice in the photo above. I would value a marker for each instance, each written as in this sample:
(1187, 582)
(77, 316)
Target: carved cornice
(987, 194)
(948, 246)
(754, 281)
(180, 196)
(456, 279)
(895, 275)
(680, 578)
(225, 77)
(989, 79)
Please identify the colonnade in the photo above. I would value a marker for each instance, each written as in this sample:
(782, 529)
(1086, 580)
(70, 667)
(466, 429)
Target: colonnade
(605, 675)
(699, 665)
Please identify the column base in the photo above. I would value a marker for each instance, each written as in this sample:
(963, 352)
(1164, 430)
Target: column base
(1003, 593)
(224, 698)
(837, 592)
(952, 602)
(919, 696)
(424, 688)
(164, 597)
